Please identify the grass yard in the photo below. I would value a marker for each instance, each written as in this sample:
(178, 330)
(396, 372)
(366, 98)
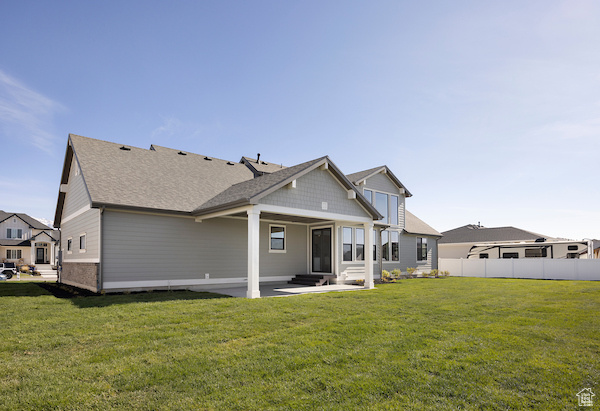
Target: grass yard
(438, 344)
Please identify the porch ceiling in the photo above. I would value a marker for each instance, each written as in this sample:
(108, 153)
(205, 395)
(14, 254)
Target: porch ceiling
(284, 217)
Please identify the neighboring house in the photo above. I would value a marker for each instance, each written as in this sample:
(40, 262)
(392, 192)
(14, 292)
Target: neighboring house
(476, 241)
(136, 219)
(25, 238)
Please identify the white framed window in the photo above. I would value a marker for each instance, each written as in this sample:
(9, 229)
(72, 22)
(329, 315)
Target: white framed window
(13, 254)
(385, 245)
(347, 243)
(395, 241)
(69, 245)
(14, 233)
(394, 210)
(360, 244)
(82, 243)
(421, 249)
(369, 195)
(277, 238)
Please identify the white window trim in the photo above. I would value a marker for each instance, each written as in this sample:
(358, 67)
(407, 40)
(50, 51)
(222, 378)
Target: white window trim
(374, 204)
(82, 250)
(71, 250)
(352, 245)
(284, 239)
(426, 260)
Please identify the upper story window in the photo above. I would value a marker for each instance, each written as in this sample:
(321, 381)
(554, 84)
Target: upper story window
(381, 204)
(394, 210)
(14, 233)
(421, 249)
(386, 204)
(277, 240)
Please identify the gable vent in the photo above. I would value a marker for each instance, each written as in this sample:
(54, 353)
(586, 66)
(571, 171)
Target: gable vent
(208, 159)
(125, 148)
(181, 153)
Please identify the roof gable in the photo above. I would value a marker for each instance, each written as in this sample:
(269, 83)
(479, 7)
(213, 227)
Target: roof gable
(250, 192)
(361, 176)
(30, 221)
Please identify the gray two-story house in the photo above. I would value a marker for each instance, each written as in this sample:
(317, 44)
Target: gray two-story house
(138, 219)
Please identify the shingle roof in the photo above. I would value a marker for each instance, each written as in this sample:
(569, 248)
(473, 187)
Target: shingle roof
(262, 166)
(358, 176)
(476, 234)
(32, 222)
(415, 225)
(164, 179)
(15, 243)
(362, 175)
(159, 178)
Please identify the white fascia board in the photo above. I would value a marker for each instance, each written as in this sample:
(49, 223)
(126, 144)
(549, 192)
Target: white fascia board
(267, 208)
(223, 213)
(76, 214)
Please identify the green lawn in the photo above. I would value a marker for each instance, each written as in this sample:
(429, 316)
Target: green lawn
(453, 343)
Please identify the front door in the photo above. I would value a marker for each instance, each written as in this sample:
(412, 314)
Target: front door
(39, 256)
(321, 250)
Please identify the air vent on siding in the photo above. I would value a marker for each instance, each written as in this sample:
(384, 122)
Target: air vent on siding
(125, 148)
(208, 159)
(181, 153)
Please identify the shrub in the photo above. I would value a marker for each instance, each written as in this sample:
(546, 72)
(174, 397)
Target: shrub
(411, 272)
(396, 273)
(385, 276)
(425, 274)
(445, 273)
(434, 273)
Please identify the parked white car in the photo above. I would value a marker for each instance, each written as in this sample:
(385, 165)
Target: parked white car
(8, 270)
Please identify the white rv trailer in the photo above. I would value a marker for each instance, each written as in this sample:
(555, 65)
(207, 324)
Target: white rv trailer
(529, 249)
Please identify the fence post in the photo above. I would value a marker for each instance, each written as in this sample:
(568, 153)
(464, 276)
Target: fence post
(485, 268)
(512, 265)
(543, 269)
(462, 270)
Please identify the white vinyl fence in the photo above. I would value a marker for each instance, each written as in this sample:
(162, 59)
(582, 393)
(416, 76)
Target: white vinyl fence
(538, 268)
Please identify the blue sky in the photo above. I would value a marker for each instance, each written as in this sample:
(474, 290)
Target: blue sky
(487, 111)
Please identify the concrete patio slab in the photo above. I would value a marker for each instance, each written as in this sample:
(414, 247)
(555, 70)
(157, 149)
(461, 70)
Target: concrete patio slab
(286, 290)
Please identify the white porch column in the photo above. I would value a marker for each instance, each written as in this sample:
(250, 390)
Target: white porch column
(32, 252)
(253, 253)
(369, 255)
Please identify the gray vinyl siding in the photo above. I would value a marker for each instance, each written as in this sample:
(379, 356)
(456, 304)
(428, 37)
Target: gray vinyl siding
(77, 196)
(408, 253)
(312, 189)
(139, 247)
(401, 212)
(88, 223)
(381, 182)
(295, 258)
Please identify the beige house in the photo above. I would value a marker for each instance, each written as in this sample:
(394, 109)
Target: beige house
(23, 238)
